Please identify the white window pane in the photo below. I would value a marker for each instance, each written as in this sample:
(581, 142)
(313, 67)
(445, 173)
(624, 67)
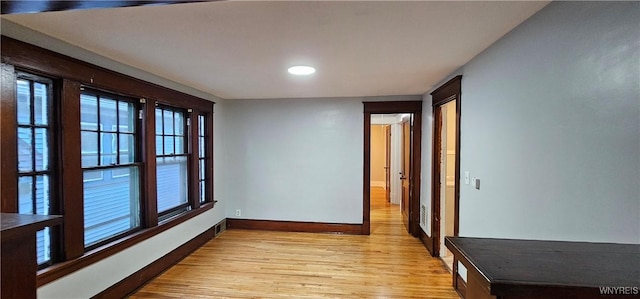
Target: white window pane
(202, 192)
(88, 112)
(108, 149)
(127, 148)
(179, 145)
(43, 245)
(168, 145)
(25, 150)
(42, 149)
(25, 195)
(202, 169)
(159, 121)
(126, 117)
(24, 102)
(201, 144)
(200, 125)
(172, 182)
(167, 116)
(108, 114)
(41, 102)
(159, 144)
(89, 148)
(179, 123)
(42, 194)
(111, 205)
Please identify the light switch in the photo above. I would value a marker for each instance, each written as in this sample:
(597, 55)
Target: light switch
(466, 178)
(475, 182)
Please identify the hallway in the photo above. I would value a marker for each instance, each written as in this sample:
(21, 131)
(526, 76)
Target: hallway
(257, 264)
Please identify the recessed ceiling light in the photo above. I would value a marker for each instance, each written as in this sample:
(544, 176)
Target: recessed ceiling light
(301, 70)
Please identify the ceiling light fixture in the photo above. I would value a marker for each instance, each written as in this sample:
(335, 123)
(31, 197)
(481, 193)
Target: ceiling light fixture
(301, 70)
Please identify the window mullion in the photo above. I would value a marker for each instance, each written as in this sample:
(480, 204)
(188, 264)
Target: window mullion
(32, 102)
(72, 177)
(194, 170)
(148, 134)
(117, 150)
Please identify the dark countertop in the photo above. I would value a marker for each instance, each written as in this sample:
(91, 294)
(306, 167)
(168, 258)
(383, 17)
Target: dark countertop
(506, 263)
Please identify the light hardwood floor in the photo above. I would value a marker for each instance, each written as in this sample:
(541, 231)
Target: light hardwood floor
(257, 264)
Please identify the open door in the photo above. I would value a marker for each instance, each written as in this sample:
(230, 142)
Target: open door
(387, 165)
(406, 171)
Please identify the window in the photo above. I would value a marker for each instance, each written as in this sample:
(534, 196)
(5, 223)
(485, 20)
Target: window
(34, 154)
(171, 169)
(202, 158)
(83, 147)
(111, 183)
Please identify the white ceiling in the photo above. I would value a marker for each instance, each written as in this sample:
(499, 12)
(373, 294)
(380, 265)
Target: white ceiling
(242, 49)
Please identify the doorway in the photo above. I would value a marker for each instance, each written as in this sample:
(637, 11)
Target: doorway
(445, 175)
(411, 164)
(390, 167)
(447, 153)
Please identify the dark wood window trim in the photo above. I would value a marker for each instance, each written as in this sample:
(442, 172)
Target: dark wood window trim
(72, 74)
(51, 64)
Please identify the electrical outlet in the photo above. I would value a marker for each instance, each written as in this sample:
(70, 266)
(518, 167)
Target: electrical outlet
(238, 213)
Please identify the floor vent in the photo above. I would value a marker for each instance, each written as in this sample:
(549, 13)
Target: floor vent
(220, 227)
(423, 215)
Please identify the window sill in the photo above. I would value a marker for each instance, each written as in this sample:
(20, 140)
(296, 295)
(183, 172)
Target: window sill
(58, 270)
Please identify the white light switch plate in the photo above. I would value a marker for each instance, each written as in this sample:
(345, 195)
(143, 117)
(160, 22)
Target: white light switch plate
(475, 182)
(466, 178)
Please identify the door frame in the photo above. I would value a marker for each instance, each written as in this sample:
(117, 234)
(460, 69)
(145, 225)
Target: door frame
(446, 93)
(387, 162)
(393, 107)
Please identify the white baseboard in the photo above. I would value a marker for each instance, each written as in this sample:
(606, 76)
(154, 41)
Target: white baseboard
(378, 184)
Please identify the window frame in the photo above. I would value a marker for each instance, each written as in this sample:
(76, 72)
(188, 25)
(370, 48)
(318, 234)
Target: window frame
(102, 166)
(186, 116)
(51, 128)
(69, 76)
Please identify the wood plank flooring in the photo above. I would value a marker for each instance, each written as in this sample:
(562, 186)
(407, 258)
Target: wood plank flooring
(257, 264)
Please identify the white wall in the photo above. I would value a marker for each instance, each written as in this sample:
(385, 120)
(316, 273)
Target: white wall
(427, 161)
(551, 126)
(297, 159)
(83, 283)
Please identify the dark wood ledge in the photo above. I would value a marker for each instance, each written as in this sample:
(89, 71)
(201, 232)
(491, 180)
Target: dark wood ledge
(508, 268)
(16, 225)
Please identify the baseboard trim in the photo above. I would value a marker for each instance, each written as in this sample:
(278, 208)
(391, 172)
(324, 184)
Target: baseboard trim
(461, 286)
(382, 184)
(136, 280)
(295, 226)
(426, 241)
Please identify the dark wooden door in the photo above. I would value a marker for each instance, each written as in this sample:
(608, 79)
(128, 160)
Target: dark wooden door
(387, 165)
(406, 170)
